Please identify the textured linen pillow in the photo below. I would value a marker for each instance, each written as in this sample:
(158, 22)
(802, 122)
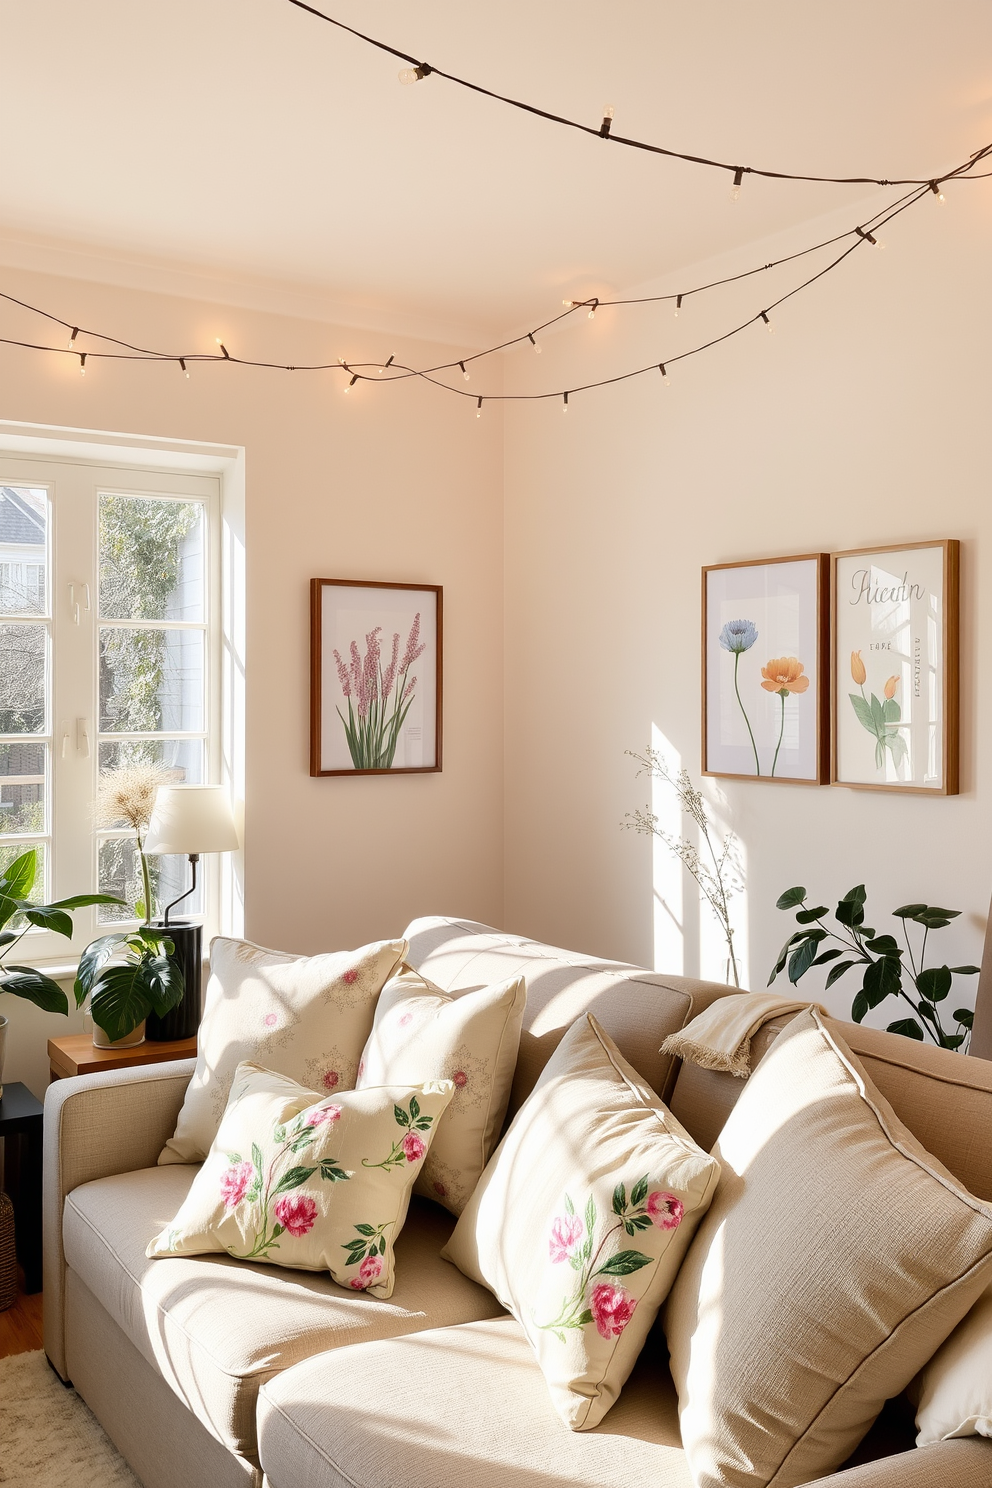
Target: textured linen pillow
(954, 1392)
(306, 1016)
(837, 1256)
(421, 1033)
(316, 1183)
(581, 1219)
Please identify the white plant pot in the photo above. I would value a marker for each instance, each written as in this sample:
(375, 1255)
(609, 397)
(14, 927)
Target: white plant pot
(3, 1050)
(129, 1041)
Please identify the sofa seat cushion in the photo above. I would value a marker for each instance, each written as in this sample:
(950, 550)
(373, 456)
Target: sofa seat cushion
(463, 1405)
(216, 1328)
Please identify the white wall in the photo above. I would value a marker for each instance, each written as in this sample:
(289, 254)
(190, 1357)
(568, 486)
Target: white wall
(398, 483)
(863, 419)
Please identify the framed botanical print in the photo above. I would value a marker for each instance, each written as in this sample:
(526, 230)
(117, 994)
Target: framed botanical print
(375, 677)
(895, 662)
(765, 669)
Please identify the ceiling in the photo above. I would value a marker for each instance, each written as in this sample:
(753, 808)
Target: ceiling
(244, 138)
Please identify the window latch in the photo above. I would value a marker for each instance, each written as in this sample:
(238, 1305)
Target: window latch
(83, 737)
(65, 739)
(74, 602)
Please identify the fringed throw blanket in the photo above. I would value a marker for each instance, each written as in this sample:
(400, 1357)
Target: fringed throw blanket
(720, 1038)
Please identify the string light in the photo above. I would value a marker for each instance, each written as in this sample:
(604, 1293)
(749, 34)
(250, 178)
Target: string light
(735, 190)
(768, 325)
(415, 74)
(116, 349)
(935, 188)
(678, 305)
(664, 374)
(386, 365)
(594, 306)
(82, 364)
(415, 71)
(72, 338)
(564, 402)
(464, 372)
(604, 128)
(478, 409)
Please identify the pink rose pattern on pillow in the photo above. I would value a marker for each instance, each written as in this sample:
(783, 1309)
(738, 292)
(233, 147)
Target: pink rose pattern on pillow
(409, 1147)
(606, 1304)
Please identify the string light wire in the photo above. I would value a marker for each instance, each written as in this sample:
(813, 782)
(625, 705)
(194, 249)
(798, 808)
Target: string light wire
(373, 371)
(604, 129)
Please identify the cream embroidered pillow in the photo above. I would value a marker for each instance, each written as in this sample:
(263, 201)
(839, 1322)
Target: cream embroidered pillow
(955, 1389)
(582, 1217)
(837, 1256)
(422, 1033)
(316, 1183)
(306, 1016)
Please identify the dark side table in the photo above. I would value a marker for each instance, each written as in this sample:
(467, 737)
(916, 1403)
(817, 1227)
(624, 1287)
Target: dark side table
(21, 1126)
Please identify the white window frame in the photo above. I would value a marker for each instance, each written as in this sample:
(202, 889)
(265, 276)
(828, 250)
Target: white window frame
(76, 470)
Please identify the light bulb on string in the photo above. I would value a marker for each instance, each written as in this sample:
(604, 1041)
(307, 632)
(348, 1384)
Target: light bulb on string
(533, 342)
(564, 402)
(464, 373)
(386, 365)
(351, 384)
(415, 74)
(604, 128)
(592, 309)
(768, 325)
(569, 304)
(478, 409)
(664, 374)
(227, 354)
(735, 190)
(935, 188)
(72, 338)
(678, 305)
(82, 364)
(182, 363)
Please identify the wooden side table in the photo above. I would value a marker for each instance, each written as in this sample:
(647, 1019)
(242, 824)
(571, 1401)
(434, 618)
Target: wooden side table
(21, 1126)
(76, 1054)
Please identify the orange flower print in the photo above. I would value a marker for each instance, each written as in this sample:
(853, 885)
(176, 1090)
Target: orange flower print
(784, 675)
(858, 671)
(890, 687)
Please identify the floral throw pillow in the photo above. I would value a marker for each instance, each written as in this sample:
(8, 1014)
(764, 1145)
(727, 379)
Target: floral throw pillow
(315, 1183)
(580, 1221)
(306, 1016)
(422, 1033)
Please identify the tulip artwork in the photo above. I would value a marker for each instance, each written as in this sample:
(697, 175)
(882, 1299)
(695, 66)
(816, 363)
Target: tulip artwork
(880, 716)
(765, 669)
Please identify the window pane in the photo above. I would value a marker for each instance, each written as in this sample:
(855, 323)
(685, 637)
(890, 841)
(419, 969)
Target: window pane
(22, 788)
(150, 680)
(120, 873)
(23, 550)
(22, 678)
(151, 559)
(8, 852)
(185, 756)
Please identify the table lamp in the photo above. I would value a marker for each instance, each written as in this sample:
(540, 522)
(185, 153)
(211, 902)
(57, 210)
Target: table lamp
(190, 819)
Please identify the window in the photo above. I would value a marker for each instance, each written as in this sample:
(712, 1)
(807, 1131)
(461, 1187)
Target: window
(109, 611)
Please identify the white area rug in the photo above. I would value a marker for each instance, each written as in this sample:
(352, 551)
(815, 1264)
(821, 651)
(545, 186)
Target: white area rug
(48, 1437)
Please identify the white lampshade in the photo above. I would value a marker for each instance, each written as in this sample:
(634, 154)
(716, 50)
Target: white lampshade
(192, 819)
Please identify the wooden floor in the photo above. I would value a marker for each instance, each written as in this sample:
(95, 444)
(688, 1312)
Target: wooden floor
(20, 1325)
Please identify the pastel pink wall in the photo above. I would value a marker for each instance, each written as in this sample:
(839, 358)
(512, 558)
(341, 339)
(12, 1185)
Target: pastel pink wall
(863, 419)
(397, 483)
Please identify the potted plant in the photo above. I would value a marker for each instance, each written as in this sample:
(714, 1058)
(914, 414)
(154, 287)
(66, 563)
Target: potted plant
(128, 974)
(16, 907)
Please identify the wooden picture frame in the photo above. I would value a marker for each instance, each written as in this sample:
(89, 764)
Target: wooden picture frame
(783, 603)
(375, 677)
(895, 639)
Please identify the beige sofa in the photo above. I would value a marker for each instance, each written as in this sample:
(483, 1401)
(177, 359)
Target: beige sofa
(209, 1373)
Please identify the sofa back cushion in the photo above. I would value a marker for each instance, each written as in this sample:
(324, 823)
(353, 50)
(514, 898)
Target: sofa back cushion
(637, 1008)
(945, 1099)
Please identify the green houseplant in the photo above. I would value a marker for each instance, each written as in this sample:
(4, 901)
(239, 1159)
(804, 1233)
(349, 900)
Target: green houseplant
(885, 968)
(128, 974)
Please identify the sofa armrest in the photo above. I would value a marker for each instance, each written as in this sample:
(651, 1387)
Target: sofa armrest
(963, 1463)
(97, 1125)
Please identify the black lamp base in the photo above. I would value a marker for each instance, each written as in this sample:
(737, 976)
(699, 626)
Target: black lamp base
(183, 1020)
